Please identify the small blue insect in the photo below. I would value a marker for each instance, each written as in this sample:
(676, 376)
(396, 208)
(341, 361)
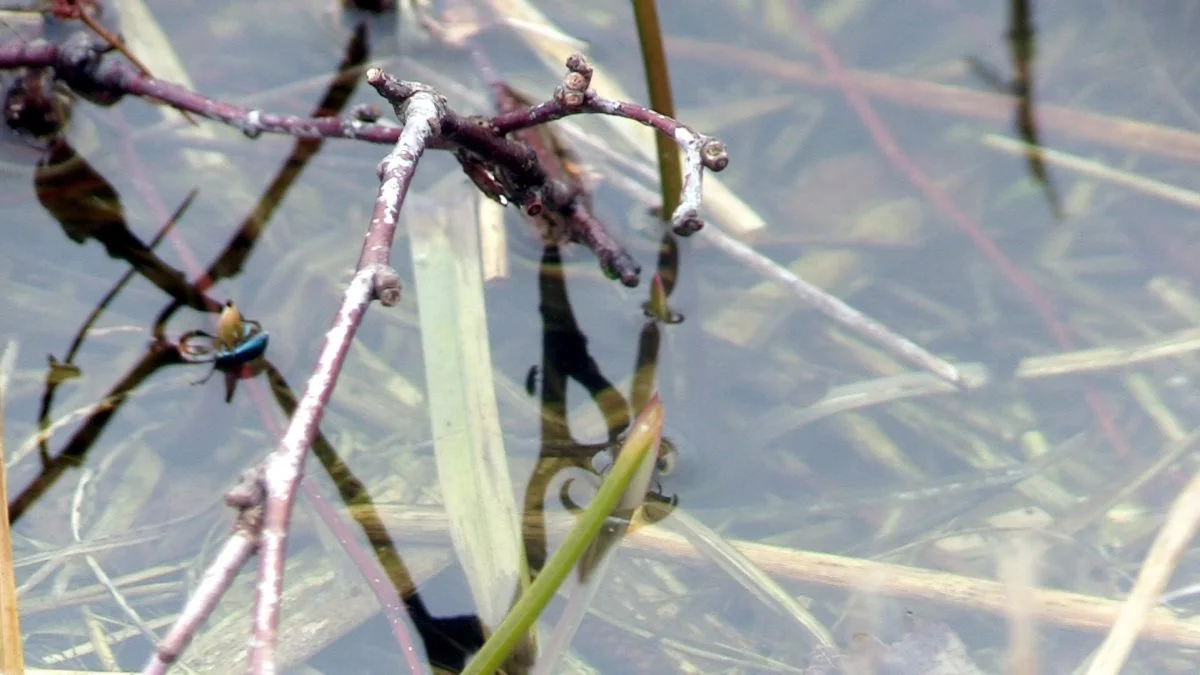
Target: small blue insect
(253, 345)
(238, 342)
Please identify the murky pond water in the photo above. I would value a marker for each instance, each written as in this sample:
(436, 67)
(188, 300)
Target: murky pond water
(899, 179)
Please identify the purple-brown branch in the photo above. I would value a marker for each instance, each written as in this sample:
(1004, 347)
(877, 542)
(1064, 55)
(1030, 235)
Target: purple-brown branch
(248, 498)
(503, 168)
(420, 110)
(273, 487)
(77, 63)
(506, 169)
(574, 97)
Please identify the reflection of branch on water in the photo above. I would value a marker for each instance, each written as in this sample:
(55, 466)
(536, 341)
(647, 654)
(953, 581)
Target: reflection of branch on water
(88, 207)
(565, 356)
(52, 381)
(400, 588)
(239, 247)
(97, 214)
(158, 355)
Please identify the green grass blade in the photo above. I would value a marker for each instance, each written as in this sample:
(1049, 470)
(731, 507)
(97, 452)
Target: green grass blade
(658, 81)
(472, 467)
(636, 452)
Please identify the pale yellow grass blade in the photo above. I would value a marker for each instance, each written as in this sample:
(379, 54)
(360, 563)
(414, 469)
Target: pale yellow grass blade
(472, 467)
(11, 658)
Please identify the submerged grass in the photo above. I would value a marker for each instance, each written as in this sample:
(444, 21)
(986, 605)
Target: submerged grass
(769, 464)
(472, 466)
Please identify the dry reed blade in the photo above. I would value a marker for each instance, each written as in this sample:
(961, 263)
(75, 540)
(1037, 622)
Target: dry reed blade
(749, 575)
(1098, 170)
(1050, 607)
(11, 659)
(1169, 546)
(472, 466)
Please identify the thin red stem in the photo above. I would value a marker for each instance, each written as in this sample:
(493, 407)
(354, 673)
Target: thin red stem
(883, 139)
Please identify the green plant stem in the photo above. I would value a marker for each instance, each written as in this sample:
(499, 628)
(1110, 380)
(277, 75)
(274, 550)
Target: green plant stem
(658, 81)
(647, 429)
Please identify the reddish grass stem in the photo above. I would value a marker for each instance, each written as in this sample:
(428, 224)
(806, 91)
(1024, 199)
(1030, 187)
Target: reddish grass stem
(883, 139)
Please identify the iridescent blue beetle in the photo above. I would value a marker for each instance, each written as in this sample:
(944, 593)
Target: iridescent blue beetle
(238, 342)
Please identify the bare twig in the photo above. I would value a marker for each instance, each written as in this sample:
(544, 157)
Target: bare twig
(574, 97)
(421, 110)
(505, 169)
(77, 63)
(247, 497)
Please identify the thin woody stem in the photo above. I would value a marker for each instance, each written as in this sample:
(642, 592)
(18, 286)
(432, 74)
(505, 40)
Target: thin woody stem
(526, 183)
(421, 110)
(247, 498)
(574, 97)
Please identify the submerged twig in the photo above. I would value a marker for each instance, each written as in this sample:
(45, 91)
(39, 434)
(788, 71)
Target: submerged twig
(85, 477)
(837, 310)
(1097, 169)
(1169, 546)
(750, 576)
(1052, 607)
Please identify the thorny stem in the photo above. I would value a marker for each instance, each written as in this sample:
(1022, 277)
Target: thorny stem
(421, 111)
